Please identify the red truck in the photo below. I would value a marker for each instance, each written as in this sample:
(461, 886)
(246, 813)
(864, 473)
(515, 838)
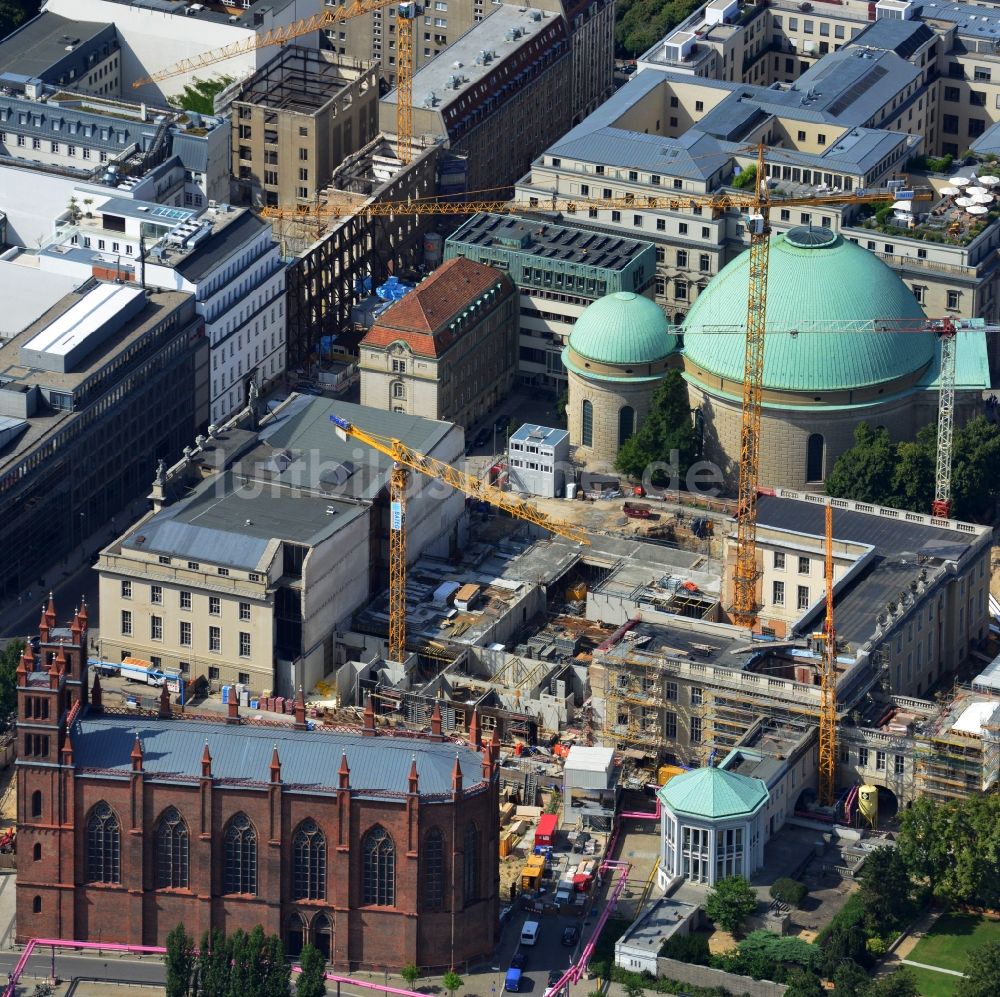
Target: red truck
(637, 510)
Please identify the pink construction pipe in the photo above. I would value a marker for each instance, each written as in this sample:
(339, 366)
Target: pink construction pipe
(641, 815)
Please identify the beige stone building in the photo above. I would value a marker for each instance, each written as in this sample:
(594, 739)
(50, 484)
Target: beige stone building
(263, 542)
(448, 349)
(296, 119)
(616, 357)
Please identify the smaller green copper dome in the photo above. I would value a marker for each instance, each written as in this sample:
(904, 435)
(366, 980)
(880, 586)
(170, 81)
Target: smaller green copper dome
(624, 329)
(713, 793)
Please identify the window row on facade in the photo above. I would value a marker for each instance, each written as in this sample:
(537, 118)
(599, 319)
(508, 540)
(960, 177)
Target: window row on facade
(171, 843)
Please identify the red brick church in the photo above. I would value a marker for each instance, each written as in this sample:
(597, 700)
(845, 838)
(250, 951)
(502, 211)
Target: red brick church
(381, 849)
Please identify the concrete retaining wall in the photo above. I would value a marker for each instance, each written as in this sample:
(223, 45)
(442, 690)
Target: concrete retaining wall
(705, 976)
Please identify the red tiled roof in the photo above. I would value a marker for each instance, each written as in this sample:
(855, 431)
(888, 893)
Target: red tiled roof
(421, 319)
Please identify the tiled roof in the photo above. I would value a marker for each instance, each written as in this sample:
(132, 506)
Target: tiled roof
(242, 754)
(713, 793)
(421, 319)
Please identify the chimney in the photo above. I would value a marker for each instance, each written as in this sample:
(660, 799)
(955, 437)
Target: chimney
(206, 763)
(233, 716)
(369, 727)
(275, 766)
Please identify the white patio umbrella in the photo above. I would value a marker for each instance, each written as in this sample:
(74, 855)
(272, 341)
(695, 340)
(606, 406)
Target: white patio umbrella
(977, 209)
(959, 181)
(972, 191)
(989, 181)
(983, 198)
(949, 191)
(964, 202)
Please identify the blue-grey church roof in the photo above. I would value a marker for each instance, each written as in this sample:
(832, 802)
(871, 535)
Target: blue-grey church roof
(241, 754)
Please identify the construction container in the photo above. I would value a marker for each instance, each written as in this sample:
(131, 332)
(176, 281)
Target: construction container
(225, 694)
(531, 874)
(666, 772)
(507, 845)
(545, 833)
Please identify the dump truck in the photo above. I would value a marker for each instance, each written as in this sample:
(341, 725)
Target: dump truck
(637, 510)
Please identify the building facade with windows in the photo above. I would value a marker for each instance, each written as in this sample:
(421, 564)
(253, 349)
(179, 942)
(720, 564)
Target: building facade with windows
(226, 257)
(296, 120)
(448, 349)
(379, 850)
(559, 270)
(111, 373)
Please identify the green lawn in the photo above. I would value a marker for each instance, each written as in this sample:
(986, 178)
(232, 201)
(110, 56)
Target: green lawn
(933, 984)
(952, 938)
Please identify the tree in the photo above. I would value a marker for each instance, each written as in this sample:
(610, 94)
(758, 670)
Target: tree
(902, 983)
(864, 472)
(633, 988)
(213, 964)
(10, 658)
(311, 982)
(851, 980)
(199, 95)
(788, 891)
(730, 902)
(914, 473)
(641, 23)
(924, 840)
(180, 962)
(410, 973)
(451, 981)
(667, 428)
(982, 970)
(277, 977)
(802, 983)
(745, 178)
(885, 891)
(975, 484)
(13, 13)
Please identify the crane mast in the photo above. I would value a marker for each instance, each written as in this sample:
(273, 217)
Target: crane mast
(745, 577)
(828, 685)
(946, 420)
(404, 458)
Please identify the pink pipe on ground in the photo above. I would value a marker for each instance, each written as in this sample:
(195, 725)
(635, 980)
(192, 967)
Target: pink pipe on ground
(641, 815)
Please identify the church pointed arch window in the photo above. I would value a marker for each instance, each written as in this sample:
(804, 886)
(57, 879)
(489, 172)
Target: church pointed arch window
(103, 845)
(172, 842)
(239, 874)
(309, 862)
(379, 871)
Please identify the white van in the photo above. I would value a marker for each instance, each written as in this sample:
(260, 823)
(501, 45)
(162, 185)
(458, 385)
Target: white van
(529, 932)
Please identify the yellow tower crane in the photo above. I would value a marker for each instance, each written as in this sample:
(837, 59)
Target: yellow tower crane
(828, 685)
(404, 457)
(405, 20)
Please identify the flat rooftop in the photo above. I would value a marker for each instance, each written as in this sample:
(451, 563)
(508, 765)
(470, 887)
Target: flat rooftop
(763, 752)
(299, 80)
(210, 10)
(27, 293)
(548, 240)
(505, 29)
(234, 521)
(44, 40)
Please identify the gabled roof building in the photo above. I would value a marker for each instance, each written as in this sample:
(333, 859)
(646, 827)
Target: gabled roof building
(447, 349)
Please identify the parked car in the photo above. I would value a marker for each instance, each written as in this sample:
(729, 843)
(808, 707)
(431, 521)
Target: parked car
(519, 959)
(570, 935)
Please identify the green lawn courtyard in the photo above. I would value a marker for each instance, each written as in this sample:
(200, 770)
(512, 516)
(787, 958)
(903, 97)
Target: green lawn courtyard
(948, 945)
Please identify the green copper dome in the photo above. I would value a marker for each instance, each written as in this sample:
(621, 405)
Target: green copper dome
(713, 793)
(625, 329)
(813, 275)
